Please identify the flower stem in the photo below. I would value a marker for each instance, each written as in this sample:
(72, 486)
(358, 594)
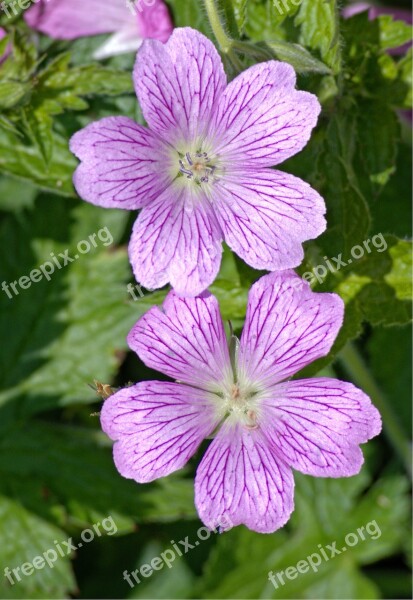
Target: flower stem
(356, 367)
(224, 41)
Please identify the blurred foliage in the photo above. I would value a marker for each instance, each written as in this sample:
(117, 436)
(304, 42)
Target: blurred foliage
(56, 472)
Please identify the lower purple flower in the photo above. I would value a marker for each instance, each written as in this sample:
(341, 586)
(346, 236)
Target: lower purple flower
(264, 425)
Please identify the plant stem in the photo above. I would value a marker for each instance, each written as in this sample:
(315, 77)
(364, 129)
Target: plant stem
(356, 367)
(224, 41)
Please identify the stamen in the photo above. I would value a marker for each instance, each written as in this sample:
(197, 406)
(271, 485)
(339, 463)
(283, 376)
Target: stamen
(189, 159)
(185, 171)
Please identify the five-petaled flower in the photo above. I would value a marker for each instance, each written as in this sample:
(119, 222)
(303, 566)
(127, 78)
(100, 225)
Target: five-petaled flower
(201, 172)
(71, 19)
(264, 424)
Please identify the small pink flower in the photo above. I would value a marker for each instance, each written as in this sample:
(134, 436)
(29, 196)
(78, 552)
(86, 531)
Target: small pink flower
(201, 171)
(265, 424)
(129, 24)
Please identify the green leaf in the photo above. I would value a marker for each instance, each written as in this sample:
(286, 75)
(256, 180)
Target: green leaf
(240, 11)
(190, 13)
(76, 484)
(400, 277)
(393, 33)
(25, 536)
(78, 321)
(379, 134)
(294, 54)
(320, 29)
(23, 160)
(392, 370)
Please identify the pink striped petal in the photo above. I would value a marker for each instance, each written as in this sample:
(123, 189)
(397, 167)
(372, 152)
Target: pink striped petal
(186, 340)
(318, 424)
(262, 119)
(286, 328)
(70, 19)
(154, 20)
(178, 85)
(157, 427)
(267, 215)
(241, 481)
(176, 239)
(122, 164)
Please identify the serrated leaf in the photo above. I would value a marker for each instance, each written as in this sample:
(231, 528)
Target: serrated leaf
(393, 33)
(83, 307)
(320, 29)
(298, 57)
(23, 160)
(77, 484)
(24, 537)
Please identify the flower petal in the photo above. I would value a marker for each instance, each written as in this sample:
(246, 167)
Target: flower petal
(177, 239)
(154, 21)
(287, 327)
(262, 119)
(265, 217)
(122, 164)
(186, 341)
(318, 424)
(158, 427)
(122, 41)
(241, 481)
(70, 19)
(178, 84)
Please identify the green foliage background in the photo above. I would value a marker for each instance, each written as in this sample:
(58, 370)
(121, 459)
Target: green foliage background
(56, 472)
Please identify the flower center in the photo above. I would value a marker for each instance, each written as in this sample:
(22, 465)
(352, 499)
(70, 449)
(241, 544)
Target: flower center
(196, 167)
(242, 405)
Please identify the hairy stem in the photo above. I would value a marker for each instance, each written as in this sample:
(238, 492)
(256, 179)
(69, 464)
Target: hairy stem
(224, 41)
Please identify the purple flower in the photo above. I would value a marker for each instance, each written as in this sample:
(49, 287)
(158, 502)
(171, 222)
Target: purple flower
(266, 424)
(129, 23)
(201, 172)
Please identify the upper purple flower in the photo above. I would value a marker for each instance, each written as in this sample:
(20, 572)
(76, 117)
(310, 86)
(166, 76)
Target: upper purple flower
(266, 424)
(130, 24)
(201, 172)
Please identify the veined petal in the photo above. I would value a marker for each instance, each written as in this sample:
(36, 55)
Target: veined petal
(177, 239)
(70, 19)
(186, 340)
(178, 85)
(318, 424)
(262, 119)
(286, 328)
(241, 481)
(157, 427)
(267, 215)
(122, 164)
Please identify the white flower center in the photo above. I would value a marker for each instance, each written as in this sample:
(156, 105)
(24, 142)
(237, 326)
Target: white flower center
(242, 405)
(197, 167)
